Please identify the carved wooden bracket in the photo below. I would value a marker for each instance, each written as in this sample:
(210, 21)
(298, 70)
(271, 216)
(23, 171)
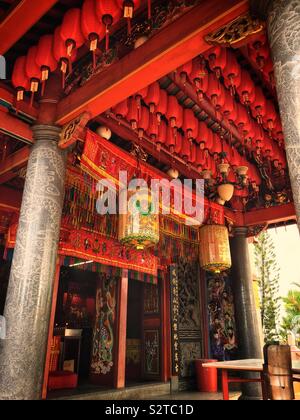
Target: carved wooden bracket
(73, 130)
(236, 33)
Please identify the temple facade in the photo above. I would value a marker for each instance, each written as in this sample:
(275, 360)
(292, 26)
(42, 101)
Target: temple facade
(198, 98)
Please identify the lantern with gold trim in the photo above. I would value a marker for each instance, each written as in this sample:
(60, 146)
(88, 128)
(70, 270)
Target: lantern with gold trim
(214, 248)
(139, 228)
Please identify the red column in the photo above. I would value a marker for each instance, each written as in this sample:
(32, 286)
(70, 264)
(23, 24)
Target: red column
(120, 366)
(51, 327)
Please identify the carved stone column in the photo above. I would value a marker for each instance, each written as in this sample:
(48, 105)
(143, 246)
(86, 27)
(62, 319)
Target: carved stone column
(283, 21)
(29, 296)
(249, 343)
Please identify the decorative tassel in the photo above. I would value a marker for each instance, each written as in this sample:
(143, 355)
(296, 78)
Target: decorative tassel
(149, 10)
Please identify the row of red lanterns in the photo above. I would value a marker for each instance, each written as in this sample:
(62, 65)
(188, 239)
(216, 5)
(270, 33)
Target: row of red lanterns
(260, 55)
(90, 24)
(161, 104)
(197, 146)
(223, 62)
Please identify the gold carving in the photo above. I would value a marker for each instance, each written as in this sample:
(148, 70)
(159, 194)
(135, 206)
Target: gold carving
(73, 130)
(236, 32)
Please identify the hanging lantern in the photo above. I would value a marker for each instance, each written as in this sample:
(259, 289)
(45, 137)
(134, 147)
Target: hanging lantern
(129, 6)
(215, 92)
(214, 248)
(271, 116)
(199, 76)
(91, 29)
(259, 105)
(186, 149)
(139, 228)
(104, 132)
(185, 71)
(45, 58)
(171, 139)
(60, 54)
(153, 129)
(246, 89)
(174, 112)
(217, 58)
(19, 78)
(121, 110)
(133, 113)
(109, 13)
(144, 121)
(225, 192)
(33, 71)
(153, 97)
(141, 95)
(162, 106)
(190, 124)
(232, 73)
(162, 135)
(71, 32)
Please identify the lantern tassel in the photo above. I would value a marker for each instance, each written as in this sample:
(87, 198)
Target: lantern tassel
(129, 26)
(107, 38)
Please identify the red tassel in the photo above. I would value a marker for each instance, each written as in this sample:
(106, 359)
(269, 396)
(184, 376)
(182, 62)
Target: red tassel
(129, 26)
(149, 10)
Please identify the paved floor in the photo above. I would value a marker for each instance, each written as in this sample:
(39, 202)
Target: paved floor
(195, 396)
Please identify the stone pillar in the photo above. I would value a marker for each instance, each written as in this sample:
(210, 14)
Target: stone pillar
(283, 22)
(246, 314)
(29, 296)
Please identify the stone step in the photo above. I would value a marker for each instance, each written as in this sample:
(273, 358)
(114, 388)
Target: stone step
(137, 392)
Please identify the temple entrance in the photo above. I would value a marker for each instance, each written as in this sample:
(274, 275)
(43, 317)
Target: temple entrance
(143, 350)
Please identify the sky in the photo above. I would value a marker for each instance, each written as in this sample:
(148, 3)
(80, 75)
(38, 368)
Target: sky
(287, 244)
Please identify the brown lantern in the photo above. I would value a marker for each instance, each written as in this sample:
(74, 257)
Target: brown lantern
(214, 248)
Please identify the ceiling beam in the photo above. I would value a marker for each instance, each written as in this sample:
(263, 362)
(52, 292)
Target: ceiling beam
(271, 215)
(15, 128)
(15, 161)
(172, 46)
(20, 19)
(8, 102)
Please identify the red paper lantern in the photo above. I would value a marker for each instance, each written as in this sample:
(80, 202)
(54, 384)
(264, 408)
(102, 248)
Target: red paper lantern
(92, 30)
(268, 71)
(144, 120)
(259, 53)
(185, 71)
(60, 54)
(178, 143)
(215, 91)
(109, 13)
(271, 116)
(133, 113)
(190, 124)
(121, 110)
(162, 106)
(153, 128)
(140, 95)
(129, 6)
(71, 31)
(33, 71)
(199, 76)
(193, 154)
(246, 89)
(186, 149)
(217, 58)
(232, 73)
(162, 135)
(153, 97)
(172, 136)
(174, 112)
(19, 78)
(45, 58)
(243, 119)
(259, 105)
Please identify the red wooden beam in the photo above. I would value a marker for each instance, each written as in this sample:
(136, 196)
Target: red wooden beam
(15, 128)
(20, 19)
(174, 45)
(8, 102)
(272, 215)
(15, 161)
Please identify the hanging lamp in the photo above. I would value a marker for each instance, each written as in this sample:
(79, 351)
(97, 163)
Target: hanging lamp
(93, 30)
(215, 254)
(109, 13)
(20, 80)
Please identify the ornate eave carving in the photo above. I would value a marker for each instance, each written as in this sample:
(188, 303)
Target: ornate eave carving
(236, 32)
